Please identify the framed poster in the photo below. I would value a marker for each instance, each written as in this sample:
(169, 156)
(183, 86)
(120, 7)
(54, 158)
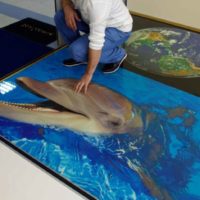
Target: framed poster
(130, 137)
(164, 52)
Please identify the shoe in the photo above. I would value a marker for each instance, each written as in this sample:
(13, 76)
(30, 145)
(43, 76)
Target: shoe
(72, 63)
(113, 67)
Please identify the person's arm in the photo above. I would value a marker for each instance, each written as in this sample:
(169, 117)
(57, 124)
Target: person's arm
(70, 14)
(66, 3)
(94, 56)
(99, 13)
(93, 60)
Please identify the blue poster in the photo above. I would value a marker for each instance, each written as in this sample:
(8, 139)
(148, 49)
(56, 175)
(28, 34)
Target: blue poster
(128, 138)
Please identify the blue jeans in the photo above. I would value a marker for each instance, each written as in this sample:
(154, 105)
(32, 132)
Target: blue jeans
(112, 51)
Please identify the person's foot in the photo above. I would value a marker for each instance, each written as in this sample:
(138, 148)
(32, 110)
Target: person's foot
(113, 67)
(71, 63)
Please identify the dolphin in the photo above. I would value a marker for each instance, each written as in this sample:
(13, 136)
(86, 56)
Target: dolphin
(99, 111)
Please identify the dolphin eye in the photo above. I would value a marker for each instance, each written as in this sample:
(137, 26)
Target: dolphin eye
(114, 123)
(110, 121)
(103, 113)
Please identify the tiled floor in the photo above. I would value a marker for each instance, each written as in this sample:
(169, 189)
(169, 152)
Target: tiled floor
(5, 20)
(39, 6)
(14, 10)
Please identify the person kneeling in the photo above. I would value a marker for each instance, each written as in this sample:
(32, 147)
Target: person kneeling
(106, 24)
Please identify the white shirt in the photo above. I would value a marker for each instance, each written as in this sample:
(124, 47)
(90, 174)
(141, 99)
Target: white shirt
(100, 14)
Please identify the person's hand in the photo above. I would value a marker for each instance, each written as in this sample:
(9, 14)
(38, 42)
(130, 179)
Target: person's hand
(83, 83)
(70, 17)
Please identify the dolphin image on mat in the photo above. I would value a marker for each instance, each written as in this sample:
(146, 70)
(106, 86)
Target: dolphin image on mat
(99, 111)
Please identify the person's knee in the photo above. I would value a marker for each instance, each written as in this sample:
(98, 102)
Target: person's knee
(79, 51)
(58, 17)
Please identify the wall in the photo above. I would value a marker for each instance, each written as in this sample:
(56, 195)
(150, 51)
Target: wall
(185, 12)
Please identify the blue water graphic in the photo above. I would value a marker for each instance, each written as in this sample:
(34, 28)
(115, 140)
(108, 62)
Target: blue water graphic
(161, 163)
